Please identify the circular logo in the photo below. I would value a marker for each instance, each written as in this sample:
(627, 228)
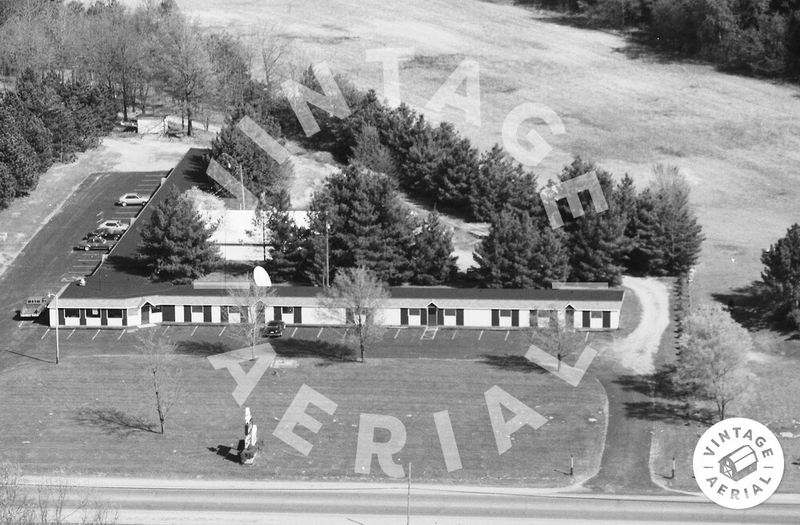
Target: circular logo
(738, 463)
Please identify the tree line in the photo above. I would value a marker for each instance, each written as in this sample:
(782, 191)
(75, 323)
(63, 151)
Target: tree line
(757, 36)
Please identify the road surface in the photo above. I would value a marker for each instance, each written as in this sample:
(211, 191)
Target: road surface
(203, 502)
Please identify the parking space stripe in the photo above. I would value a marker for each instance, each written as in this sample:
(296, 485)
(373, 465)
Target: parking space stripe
(95, 334)
(397, 333)
(454, 335)
(294, 332)
(220, 332)
(121, 334)
(193, 331)
(320, 332)
(506, 337)
(165, 329)
(20, 324)
(70, 334)
(44, 334)
(480, 335)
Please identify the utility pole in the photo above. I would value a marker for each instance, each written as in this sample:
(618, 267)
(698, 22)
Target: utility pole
(326, 279)
(408, 497)
(58, 317)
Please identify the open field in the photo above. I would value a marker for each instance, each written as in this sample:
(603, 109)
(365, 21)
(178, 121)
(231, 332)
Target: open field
(738, 139)
(91, 415)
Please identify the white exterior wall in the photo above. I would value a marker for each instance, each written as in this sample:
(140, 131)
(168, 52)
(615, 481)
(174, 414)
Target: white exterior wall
(178, 313)
(614, 320)
(52, 317)
(234, 317)
(216, 314)
(114, 321)
(134, 317)
(322, 316)
(505, 321)
(450, 320)
(389, 316)
(197, 317)
(156, 317)
(72, 321)
(92, 321)
(478, 317)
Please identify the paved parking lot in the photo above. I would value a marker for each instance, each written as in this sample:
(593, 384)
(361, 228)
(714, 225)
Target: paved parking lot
(49, 262)
(411, 342)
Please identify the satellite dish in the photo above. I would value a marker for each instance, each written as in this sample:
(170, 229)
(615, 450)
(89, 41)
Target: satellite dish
(261, 277)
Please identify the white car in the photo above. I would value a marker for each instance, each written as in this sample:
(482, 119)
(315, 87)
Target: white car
(134, 199)
(112, 226)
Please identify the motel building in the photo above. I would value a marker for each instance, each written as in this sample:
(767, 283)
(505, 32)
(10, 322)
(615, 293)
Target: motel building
(119, 294)
(211, 302)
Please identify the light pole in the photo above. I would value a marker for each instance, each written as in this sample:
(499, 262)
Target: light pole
(327, 277)
(58, 318)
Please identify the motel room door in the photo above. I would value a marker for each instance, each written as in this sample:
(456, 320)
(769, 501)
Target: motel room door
(433, 315)
(146, 313)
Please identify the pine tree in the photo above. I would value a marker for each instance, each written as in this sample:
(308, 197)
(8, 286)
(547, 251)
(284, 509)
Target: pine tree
(176, 243)
(520, 253)
(502, 183)
(596, 242)
(8, 185)
(781, 274)
(432, 257)
(668, 236)
(260, 172)
(367, 225)
(17, 155)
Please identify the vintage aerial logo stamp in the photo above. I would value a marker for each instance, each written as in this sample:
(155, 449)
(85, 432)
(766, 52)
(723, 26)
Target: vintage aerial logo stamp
(738, 463)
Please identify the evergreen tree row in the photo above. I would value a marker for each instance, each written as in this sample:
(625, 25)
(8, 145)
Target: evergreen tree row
(45, 120)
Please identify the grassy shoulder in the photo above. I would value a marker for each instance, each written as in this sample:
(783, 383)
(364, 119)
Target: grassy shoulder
(770, 400)
(91, 416)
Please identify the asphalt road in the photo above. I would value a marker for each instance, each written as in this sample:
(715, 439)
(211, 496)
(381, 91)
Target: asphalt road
(201, 502)
(48, 262)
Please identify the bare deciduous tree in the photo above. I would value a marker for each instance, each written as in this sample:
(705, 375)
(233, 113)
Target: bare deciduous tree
(251, 303)
(359, 295)
(54, 503)
(711, 363)
(164, 377)
(557, 338)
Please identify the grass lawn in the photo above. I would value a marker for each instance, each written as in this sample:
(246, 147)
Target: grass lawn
(90, 415)
(772, 401)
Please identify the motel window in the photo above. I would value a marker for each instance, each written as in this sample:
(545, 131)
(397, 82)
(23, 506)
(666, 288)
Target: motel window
(155, 309)
(413, 311)
(597, 315)
(93, 312)
(115, 313)
(505, 313)
(450, 312)
(72, 312)
(543, 314)
(197, 309)
(287, 310)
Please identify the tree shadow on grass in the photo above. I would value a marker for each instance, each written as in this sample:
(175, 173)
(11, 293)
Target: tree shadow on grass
(514, 363)
(668, 402)
(326, 350)
(753, 308)
(112, 421)
(201, 348)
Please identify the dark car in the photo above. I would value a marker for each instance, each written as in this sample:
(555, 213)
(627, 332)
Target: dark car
(95, 243)
(105, 234)
(274, 329)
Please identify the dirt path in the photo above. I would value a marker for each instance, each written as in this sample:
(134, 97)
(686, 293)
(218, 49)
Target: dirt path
(637, 350)
(625, 465)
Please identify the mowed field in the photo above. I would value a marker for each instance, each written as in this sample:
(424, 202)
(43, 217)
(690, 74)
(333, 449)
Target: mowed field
(737, 139)
(92, 415)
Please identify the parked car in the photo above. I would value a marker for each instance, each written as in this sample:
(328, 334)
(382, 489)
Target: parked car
(104, 234)
(274, 329)
(133, 199)
(113, 226)
(34, 306)
(95, 243)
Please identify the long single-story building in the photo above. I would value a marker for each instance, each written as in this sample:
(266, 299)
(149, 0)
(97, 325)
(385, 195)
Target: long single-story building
(119, 294)
(301, 305)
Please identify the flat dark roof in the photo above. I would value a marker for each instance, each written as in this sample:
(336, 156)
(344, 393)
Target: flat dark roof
(121, 275)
